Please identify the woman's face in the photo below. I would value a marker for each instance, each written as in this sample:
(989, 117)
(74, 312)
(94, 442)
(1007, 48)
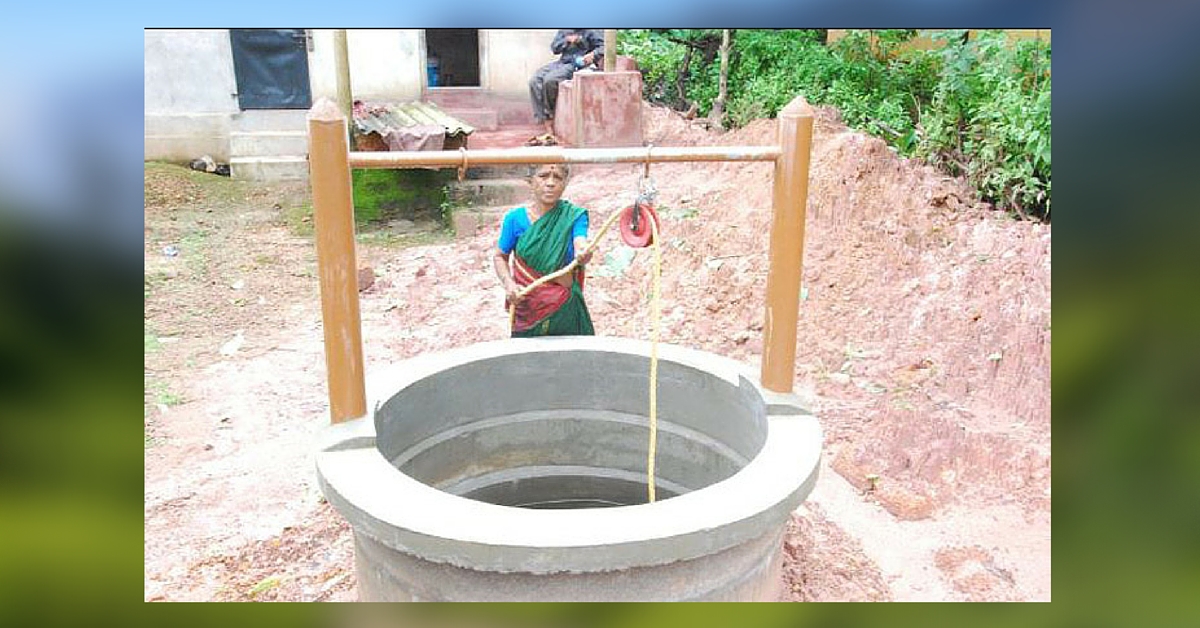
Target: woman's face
(549, 182)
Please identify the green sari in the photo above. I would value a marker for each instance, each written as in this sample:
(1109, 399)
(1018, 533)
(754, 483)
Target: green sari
(540, 251)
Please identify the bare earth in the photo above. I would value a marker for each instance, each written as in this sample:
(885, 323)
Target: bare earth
(924, 347)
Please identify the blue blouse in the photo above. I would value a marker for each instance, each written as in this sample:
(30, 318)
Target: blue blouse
(516, 221)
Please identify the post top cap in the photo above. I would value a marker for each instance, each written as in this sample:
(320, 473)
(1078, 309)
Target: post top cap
(325, 110)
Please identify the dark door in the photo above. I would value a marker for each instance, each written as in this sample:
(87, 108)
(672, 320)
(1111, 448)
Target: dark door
(452, 56)
(271, 67)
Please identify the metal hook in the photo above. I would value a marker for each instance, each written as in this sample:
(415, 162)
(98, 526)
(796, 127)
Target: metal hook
(646, 189)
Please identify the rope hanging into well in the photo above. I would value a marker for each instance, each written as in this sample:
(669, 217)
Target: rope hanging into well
(654, 330)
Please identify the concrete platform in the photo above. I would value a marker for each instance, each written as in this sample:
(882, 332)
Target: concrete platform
(600, 109)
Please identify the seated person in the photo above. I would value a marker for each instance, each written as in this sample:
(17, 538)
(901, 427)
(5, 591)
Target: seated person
(577, 48)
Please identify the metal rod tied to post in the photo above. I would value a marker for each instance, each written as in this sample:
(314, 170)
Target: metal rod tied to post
(646, 172)
(558, 155)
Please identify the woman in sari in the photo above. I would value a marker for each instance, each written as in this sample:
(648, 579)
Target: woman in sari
(537, 240)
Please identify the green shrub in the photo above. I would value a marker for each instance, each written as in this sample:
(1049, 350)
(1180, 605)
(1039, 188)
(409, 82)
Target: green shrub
(658, 59)
(975, 107)
(990, 119)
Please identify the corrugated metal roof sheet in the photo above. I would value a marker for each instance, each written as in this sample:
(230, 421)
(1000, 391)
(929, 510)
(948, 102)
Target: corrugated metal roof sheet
(381, 118)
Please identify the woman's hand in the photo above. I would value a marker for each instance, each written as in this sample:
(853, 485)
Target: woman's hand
(581, 252)
(512, 292)
(500, 263)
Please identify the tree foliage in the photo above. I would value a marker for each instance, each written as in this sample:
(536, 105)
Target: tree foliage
(975, 106)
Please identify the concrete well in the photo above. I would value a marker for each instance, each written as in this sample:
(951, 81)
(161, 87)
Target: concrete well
(516, 470)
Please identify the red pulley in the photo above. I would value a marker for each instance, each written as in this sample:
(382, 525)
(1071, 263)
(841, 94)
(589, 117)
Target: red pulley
(638, 235)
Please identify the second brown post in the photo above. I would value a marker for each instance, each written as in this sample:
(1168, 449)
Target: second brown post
(333, 216)
(790, 199)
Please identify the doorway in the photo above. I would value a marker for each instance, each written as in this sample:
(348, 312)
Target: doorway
(452, 57)
(271, 68)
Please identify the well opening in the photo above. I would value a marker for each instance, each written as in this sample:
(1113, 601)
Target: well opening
(569, 429)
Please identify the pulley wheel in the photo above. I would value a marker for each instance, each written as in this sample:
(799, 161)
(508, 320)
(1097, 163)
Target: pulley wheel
(642, 236)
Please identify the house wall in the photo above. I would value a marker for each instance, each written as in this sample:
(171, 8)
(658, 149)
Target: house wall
(390, 64)
(512, 56)
(190, 94)
(191, 104)
(385, 64)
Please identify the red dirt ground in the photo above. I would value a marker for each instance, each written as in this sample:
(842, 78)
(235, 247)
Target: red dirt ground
(923, 347)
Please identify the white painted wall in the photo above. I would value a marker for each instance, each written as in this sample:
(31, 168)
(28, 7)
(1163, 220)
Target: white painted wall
(189, 94)
(189, 71)
(390, 64)
(511, 57)
(385, 64)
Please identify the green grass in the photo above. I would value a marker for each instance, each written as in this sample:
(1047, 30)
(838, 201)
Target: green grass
(193, 246)
(154, 280)
(163, 395)
(264, 585)
(212, 187)
(152, 343)
(169, 399)
(299, 219)
(160, 394)
(381, 195)
(678, 213)
(384, 194)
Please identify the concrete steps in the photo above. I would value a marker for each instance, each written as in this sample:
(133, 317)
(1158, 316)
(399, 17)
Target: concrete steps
(269, 145)
(287, 168)
(508, 108)
(481, 119)
(489, 192)
(268, 120)
(498, 171)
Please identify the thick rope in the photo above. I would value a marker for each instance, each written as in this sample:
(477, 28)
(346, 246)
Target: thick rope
(512, 308)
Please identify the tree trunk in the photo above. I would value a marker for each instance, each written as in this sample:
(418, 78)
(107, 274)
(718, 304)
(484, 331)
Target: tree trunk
(717, 115)
(681, 79)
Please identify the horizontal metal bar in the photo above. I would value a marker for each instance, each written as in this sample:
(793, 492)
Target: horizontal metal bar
(557, 155)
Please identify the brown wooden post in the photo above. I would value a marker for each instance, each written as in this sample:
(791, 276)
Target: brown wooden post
(333, 216)
(790, 198)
